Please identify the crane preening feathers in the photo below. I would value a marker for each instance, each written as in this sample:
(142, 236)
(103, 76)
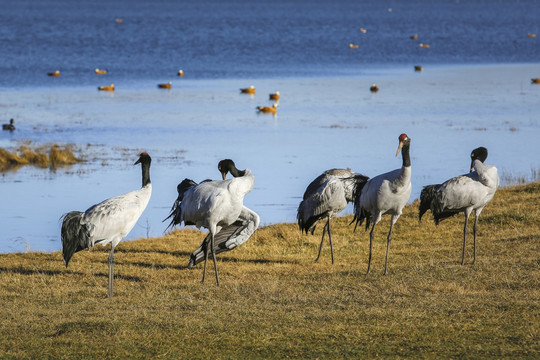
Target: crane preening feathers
(107, 222)
(217, 206)
(469, 192)
(325, 197)
(385, 193)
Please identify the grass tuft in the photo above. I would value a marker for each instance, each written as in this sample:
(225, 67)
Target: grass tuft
(45, 156)
(275, 302)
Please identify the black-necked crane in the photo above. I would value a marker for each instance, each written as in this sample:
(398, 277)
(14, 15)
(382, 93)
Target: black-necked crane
(385, 193)
(217, 206)
(465, 193)
(325, 197)
(107, 222)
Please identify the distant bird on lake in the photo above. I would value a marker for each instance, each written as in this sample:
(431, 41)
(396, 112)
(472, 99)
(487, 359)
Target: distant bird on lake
(535, 81)
(250, 90)
(274, 96)
(106, 87)
(217, 206)
(267, 109)
(414, 37)
(425, 46)
(531, 35)
(325, 197)
(165, 86)
(385, 193)
(374, 88)
(363, 31)
(100, 71)
(465, 193)
(9, 126)
(353, 46)
(55, 73)
(418, 68)
(107, 222)
(180, 72)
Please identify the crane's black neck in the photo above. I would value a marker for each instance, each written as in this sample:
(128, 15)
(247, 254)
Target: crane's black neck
(145, 166)
(145, 160)
(405, 153)
(228, 165)
(237, 173)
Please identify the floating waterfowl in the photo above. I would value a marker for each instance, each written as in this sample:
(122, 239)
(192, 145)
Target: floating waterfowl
(56, 73)
(374, 88)
(363, 31)
(531, 35)
(250, 90)
(424, 46)
(180, 72)
(353, 46)
(414, 37)
(165, 86)
(267, 109)
(10, 126)
(535, 81)
(119, 21)
(106, 87)
(418, 68)
(274, 96)
(100, 71)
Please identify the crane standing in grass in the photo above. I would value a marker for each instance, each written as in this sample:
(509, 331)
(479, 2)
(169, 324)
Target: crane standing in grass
(217, 206)
(325, 197)
(469, 192)
(385, 193)
(107, 222)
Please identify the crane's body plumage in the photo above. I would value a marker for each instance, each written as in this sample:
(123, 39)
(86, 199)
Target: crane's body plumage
(106, 222)
(464, 193)
(325, 197)
(217, 206)
(387, 193)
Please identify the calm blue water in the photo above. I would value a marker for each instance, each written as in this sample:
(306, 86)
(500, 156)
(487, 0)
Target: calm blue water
(475, 90)
(252, 39)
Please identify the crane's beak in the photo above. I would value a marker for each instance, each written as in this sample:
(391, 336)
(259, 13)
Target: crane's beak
(399, 148)
(472, 166)
(224, 175)
(137, 162)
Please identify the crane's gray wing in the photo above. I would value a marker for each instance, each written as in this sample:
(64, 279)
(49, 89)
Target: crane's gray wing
(229, 237)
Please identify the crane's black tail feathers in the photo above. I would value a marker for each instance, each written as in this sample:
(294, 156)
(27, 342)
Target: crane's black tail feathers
(430, 200)
(75, 236)
(307, 225)
(176, 209)
(426, 198)
(359, 213)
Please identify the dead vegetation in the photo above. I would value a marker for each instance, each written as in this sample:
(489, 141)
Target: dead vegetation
(275, 302)
(44, 156)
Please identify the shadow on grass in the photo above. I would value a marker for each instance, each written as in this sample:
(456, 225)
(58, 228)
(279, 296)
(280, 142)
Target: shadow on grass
(23, 271)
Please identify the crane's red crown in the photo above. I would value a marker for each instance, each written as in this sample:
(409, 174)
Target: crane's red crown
(403, 137)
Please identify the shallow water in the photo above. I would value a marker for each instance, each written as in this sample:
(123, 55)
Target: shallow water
(322, 123)
(475, 90)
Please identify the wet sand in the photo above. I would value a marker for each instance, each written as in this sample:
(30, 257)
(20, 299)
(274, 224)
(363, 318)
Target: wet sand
(322, 123)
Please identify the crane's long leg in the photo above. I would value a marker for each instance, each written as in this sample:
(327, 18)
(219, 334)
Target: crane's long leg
(330, 239)
(322, 239)
(214, 258)
(464, 239)
(388, 239)
(111, 272)
(205, 261)
(474, 236)
(370, 247)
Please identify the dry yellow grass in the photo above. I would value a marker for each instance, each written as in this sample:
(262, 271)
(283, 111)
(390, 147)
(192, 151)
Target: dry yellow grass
(44, 156)
(274, 302)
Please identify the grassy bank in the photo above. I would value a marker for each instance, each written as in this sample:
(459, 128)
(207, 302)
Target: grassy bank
(274, 302)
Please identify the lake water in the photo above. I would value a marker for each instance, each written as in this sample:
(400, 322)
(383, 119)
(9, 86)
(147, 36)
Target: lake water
(475, 90)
